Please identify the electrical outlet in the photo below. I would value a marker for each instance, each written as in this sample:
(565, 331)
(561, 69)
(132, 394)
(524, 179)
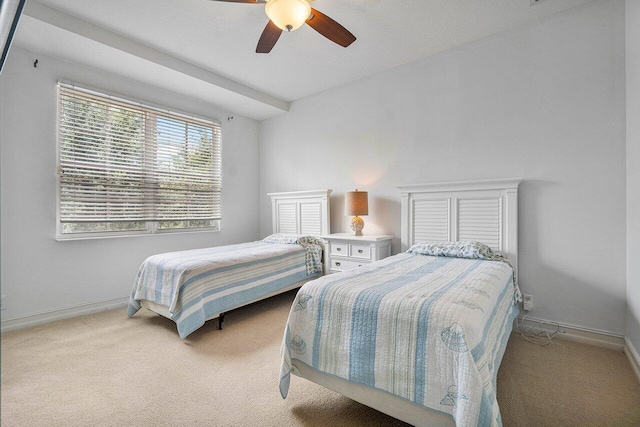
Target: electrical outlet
(527, 302)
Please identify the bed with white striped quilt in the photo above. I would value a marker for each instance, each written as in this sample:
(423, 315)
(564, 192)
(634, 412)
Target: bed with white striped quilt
(430, 330)
(196, 285)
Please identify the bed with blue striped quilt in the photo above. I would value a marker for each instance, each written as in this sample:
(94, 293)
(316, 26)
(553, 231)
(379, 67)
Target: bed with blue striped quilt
(428, 329)
(196, 285)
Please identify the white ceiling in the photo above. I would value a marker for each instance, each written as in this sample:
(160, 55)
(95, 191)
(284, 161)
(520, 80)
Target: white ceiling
(206, 49)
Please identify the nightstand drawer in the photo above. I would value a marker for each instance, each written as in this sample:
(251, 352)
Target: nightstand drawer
(341, 249)
(346, 251)
(341, 264)
(361, 251)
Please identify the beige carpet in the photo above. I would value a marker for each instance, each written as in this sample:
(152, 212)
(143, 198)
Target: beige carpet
(108, 370)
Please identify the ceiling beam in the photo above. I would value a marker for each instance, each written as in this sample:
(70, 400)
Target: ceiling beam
(98, 34)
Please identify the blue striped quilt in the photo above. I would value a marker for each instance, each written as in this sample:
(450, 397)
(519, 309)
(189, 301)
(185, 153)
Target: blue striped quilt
(197, 284)
(431, 330)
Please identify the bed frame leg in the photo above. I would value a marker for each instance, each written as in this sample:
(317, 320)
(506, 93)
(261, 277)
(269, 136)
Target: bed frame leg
(220, 320)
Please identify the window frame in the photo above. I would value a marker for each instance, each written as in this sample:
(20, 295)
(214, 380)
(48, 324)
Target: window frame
(151, 227)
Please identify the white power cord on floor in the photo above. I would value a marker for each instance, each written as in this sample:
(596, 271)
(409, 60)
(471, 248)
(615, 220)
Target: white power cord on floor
(542, 337)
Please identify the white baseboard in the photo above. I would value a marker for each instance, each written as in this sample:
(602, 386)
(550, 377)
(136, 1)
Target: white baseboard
(579, 334)
(61, 313)
(632, 355)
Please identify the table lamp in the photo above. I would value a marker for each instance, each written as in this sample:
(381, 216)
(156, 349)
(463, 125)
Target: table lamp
(356, 203)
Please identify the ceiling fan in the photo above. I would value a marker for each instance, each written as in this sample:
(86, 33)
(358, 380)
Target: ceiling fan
(289, 15)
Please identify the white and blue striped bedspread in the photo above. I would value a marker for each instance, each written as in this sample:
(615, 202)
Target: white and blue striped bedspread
(431, 330)
(197, 284)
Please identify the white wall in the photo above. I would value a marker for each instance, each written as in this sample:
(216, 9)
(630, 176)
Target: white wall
(40, 274)
(545, 102)
(633, 172)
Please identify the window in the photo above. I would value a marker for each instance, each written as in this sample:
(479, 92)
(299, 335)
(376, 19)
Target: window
(126, 168)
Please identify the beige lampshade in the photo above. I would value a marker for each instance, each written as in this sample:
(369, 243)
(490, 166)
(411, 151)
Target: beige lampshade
(356, 203)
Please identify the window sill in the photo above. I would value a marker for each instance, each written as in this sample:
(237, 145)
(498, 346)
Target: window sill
(115, 235)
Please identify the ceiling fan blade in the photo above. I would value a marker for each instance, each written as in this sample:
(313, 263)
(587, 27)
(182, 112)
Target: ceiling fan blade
(330, 28)
(268, 39)
(244, 1)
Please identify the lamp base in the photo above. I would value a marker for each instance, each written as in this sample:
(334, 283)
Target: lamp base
(357, 224)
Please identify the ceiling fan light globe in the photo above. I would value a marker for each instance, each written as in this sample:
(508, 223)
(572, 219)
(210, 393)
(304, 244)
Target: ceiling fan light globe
(288, 15)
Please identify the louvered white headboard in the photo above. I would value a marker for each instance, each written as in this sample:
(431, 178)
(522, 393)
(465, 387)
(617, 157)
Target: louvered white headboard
(301, 212)
(484, 211)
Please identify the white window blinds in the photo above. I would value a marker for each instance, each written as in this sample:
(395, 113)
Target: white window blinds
(120, 161)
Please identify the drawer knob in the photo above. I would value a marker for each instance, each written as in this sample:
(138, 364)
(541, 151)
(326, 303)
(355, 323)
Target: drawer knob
(359, 251)
(337, 264)
(338, 249)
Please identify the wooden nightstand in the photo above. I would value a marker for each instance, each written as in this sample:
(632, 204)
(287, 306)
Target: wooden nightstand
(346, 251)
